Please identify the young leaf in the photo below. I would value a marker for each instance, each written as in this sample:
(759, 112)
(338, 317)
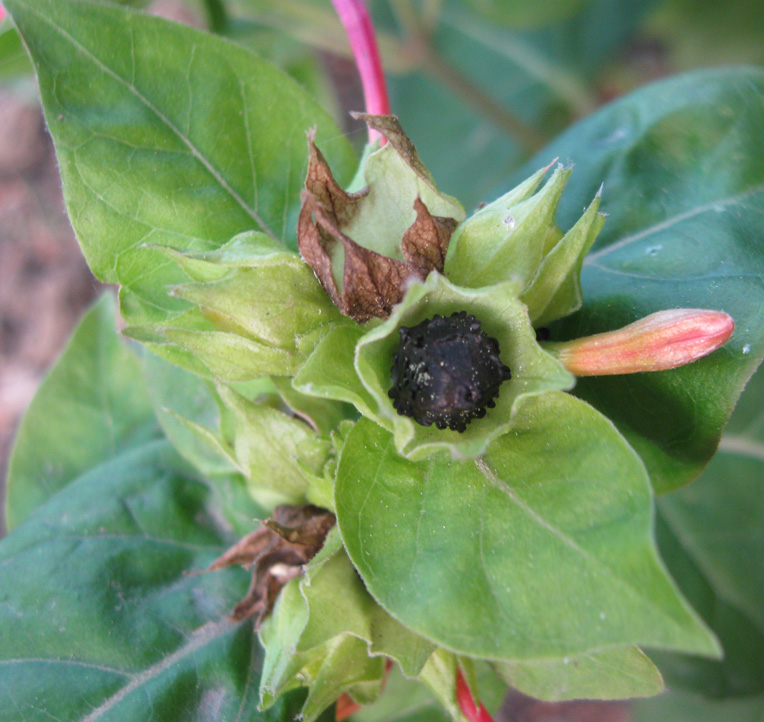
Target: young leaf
(92, 404)
(326, 612)
(683, 171)
(540, 549)
(273, 449)
(97, 572)
(166, 136)
(188, 411)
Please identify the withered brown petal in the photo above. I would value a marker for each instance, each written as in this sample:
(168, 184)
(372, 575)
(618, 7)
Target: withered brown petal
(391, 128)
(426, 240)
(246, 550)
(305, 526)
(371, 283)
(340, 204)
(277, 551)
(314, 248)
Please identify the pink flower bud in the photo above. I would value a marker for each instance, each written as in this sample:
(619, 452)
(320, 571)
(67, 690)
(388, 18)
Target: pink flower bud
(662, 340)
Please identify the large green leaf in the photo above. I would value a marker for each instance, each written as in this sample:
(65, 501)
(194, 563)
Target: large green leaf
(92, 404)
(710, 535)
(683, 168)
(704, 33)
(540, 549)
(166, 136)
(98, 618)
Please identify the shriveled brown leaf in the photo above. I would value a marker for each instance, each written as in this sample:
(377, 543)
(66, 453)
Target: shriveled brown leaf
(277, 553)
(390, 127)
(338, 203)
(426, 240)
(371, 282)
(314, 248)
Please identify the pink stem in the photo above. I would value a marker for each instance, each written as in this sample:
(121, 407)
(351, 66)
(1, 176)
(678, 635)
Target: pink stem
(357, 22)
(2, 13)
(473, 712)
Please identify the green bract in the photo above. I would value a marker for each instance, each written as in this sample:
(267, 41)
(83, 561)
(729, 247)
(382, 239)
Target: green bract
(503, 317)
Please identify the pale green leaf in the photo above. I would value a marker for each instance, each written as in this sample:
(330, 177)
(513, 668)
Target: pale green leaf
(542, 548)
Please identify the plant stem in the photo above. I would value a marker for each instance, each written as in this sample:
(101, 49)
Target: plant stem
(430, 61)
(358, 26)
(473, 712)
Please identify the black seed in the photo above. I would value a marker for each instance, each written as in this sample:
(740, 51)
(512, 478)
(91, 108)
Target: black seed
(446, 371)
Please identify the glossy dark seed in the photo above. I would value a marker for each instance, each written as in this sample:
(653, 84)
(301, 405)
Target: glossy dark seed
(446, 372)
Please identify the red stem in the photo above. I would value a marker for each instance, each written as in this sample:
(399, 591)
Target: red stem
(473, 712)
(360, 31)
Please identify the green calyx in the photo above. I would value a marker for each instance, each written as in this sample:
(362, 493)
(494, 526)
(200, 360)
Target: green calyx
(502, 316)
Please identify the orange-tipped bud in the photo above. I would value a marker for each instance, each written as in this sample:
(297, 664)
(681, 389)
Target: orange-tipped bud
(663, 340)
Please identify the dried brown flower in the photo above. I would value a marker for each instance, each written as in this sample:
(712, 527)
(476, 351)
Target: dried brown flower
(371, 283)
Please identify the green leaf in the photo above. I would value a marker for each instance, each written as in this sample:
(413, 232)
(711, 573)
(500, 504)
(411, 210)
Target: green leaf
(188, 411)
(92, 404)
(98, 618)
(541, 549)
(518, 13)
(14, 63)
(684, 707)
(439, 675)
(166, 136)
(276, 303)
(703, 33)
(610, 674)
(329, 372)
(683, 171)
(710, 537)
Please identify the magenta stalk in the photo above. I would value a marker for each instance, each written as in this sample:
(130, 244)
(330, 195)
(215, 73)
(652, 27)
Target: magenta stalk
(363, 42)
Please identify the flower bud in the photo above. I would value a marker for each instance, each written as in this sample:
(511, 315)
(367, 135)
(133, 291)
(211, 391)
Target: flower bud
(660, 341)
